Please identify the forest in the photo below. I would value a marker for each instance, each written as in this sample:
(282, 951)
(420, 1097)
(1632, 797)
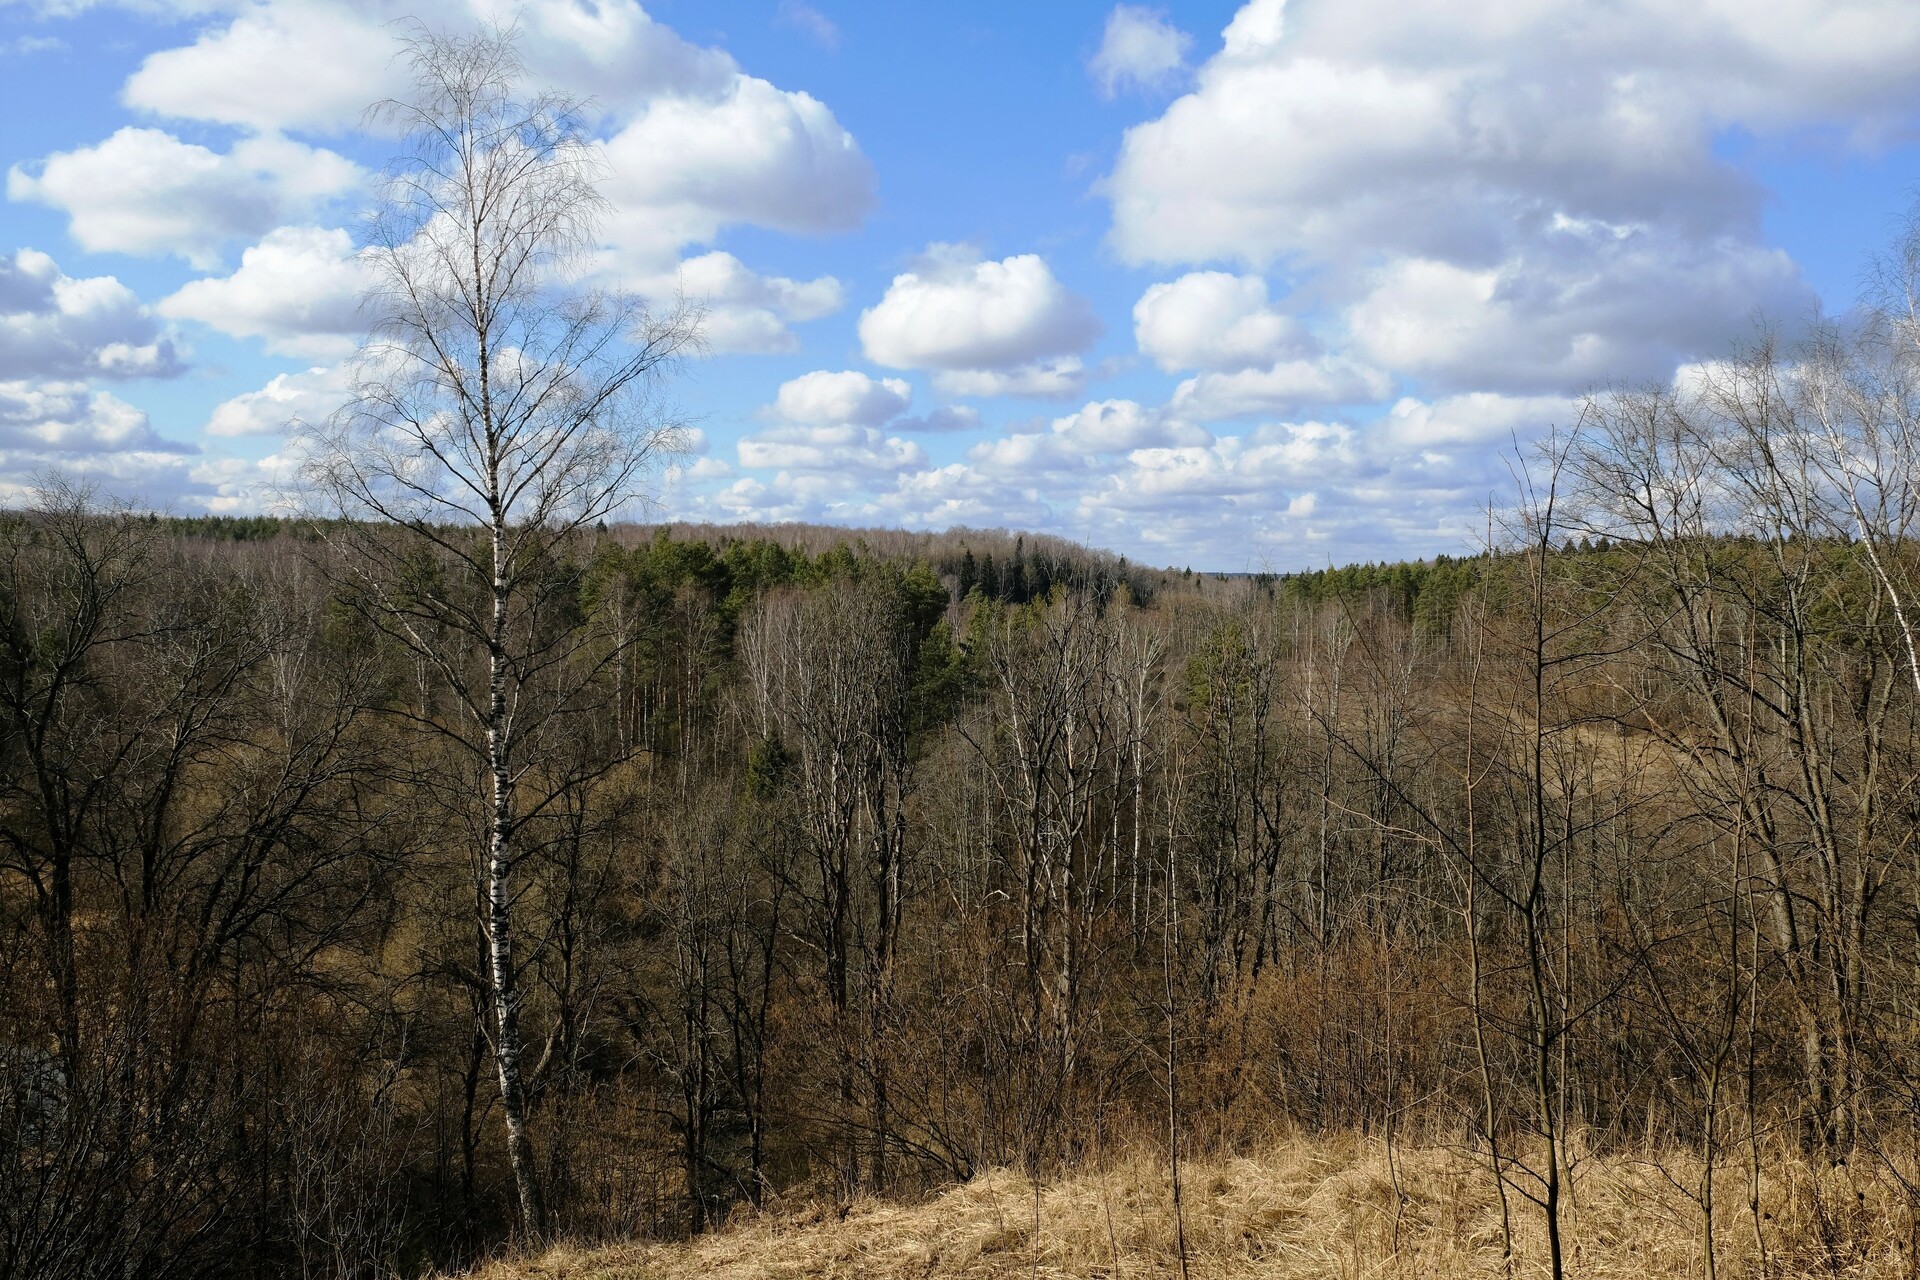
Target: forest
(831, 876)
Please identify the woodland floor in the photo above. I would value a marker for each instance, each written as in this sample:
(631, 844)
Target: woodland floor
(1320, 1209)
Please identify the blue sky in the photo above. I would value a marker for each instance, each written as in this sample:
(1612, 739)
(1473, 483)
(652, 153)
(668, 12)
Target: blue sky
(1230, 285)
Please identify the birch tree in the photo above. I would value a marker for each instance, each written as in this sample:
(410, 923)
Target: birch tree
(500, 407)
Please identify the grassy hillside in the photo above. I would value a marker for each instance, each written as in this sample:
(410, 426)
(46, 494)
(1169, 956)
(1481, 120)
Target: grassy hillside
(1300, 1209)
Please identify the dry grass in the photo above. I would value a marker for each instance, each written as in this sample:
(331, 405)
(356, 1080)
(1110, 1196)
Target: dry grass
(1319, 1210)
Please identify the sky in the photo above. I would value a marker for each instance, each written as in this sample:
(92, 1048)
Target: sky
(1260, 286)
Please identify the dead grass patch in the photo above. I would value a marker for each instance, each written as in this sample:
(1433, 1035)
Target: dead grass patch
(1329, 1209)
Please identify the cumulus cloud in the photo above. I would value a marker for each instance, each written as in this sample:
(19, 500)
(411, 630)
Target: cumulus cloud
(848, 420)
(1148, 479)
(159, 473)
(1121, 426)
(745, 311)
(299, 288)
(314, 65)
(954, 311)
(847, 397)
(1086, 440)
(1167, 480)
(1043, 379)
(1213, 320)
(1316, 130)
(755, 154)
(310, 396)
(275, 66)
(1479, 210)
(985, 328)
(693, 144)
(957, 417)
(1523, 198)
(835, 439)
(612, 52)
(1253, 358)
(839, 450)
(1572, 313)
(53, 419)
(1478, 417)
(1282, 388)
(922, 498)
(1139, 49)
(234, 486)
(145, 192)
(1259, 500)
(54, 326)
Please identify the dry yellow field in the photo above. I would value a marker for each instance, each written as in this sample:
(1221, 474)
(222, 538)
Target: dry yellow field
(1313, 1210)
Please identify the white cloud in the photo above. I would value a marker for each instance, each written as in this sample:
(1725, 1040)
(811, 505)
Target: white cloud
(1488, 207)
(299, 288)
(1086, 440)
(275, 66)
(958, 417)
(987, 328)
(1526, 195)
(1478, 417)
(1571, 315)
(164, 10)
(839, 450)
(1043, 379)
(240, 486)
(745, 311)
(166, 476)
(316, 64)
(613, 52)
(1025, 454)
(923, 498)
(144, 191)
(1139, 49)
(1334, 130)
(1121, 426)
(1212, 320)
(309, 397)
(54, 326)
(693, 144)
(1283, 388)
(829, 469)
(1236, 500)
(848, 397)
(54, 419)
(686, 167)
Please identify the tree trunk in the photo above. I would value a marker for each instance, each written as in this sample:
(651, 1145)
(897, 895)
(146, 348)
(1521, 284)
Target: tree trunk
(506, 994)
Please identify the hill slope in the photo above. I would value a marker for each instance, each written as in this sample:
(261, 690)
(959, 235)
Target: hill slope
(1301, 1209)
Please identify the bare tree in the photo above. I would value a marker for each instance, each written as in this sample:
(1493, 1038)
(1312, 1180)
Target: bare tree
(499, 408)
(832, 670)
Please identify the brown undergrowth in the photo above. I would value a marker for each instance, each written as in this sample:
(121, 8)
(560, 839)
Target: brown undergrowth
(1321, 1209)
